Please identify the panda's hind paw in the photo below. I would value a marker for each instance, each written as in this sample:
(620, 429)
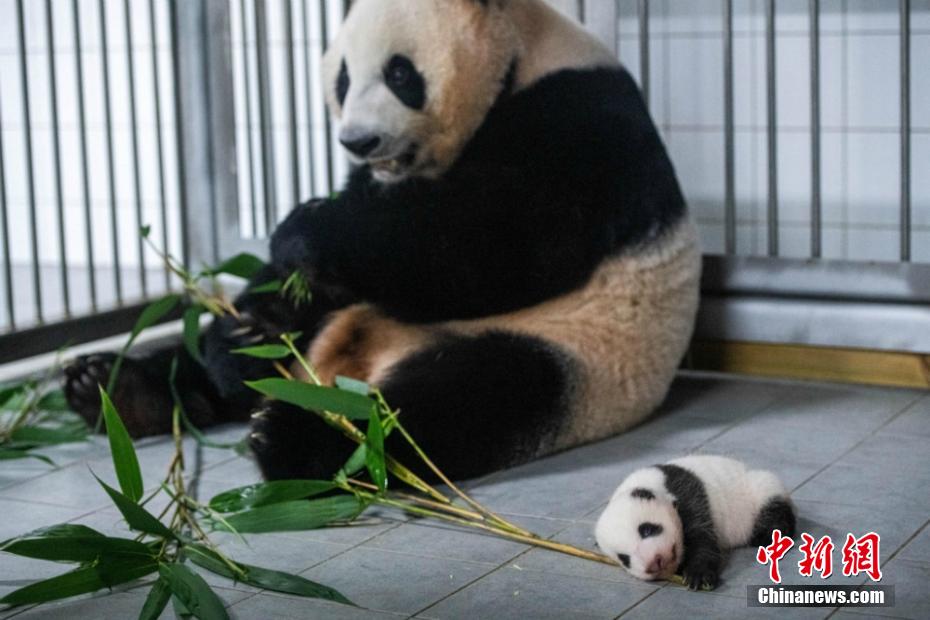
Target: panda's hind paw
(141, 404)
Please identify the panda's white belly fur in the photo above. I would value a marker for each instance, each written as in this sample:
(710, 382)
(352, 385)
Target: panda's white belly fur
(627, 330)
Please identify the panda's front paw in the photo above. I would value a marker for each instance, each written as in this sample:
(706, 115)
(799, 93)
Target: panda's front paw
(290, 247)
(291, 443)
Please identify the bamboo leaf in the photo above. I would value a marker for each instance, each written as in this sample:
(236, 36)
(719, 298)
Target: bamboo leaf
(353, 385)
(153, 313)
(295, 515)
(242, 265)
(124, 454)
(190, 588)
(156, 601)
(105, 573)
(45, 436)
(9, 454)
(316, 397)
(374, 460)
(357, 461)
(54, 401)
(265, 351)
(180, 610)
(59, 547)
(61, 529)
(266, 493)
(263, 577)
(8, 392)
(268, 287)
(192, 332)
(136, 516)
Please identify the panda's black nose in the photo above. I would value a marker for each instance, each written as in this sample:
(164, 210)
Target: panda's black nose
(360, 144)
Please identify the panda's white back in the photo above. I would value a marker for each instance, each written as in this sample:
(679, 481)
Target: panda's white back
(736, 494)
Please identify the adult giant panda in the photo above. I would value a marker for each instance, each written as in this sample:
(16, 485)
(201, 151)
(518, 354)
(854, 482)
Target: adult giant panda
(511, 259)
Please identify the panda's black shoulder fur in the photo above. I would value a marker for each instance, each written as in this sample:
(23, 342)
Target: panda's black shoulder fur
(561, 175)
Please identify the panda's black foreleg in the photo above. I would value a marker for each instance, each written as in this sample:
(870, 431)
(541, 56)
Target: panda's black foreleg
(212, 392)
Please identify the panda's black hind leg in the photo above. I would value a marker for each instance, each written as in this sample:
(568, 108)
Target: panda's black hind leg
(474, 404)
(477, 404)
(142, 394)
(776, 514)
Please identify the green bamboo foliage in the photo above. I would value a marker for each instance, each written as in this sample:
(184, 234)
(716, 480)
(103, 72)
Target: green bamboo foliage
(165, 546)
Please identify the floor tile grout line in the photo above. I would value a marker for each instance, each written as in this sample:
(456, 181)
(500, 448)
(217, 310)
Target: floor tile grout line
(901, 547)
(496, 569)
(321, 562)
(871, 434)
(637, 603)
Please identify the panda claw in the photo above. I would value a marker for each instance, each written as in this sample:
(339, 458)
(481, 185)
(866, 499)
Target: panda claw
(241, 331)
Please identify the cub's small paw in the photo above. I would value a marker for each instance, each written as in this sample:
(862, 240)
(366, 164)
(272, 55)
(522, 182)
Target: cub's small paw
(701, 578)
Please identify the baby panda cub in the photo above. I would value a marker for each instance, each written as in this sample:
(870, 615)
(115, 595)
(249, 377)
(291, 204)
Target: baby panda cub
(678, 518)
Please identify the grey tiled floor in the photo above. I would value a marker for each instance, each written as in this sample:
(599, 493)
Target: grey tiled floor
(856, 459)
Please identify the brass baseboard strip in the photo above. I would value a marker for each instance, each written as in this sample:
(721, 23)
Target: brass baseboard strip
(900, 369)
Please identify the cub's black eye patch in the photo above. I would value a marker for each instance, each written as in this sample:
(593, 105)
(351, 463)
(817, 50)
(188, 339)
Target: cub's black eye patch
(649, 529)
(342, 83)
(624, 559)
(643, 494)
(405, 81)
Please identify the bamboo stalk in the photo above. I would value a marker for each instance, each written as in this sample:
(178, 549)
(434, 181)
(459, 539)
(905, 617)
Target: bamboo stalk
(471, 502)
(531, 539)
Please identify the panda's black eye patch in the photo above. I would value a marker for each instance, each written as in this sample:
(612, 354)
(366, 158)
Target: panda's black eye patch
(643, 494)
(405, 81)
(624, 559)
(649, 529)
(342, 83)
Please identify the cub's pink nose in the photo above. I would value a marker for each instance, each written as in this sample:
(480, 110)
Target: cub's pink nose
(658, 563)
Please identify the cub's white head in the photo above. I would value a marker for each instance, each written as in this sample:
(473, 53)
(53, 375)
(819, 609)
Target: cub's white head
(412, 80)
(640, 528)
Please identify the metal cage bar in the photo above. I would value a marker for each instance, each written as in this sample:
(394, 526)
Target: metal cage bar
(906, 199)
(159, 139)
(324, 34)
(111, 167)
(292, 102)
(247, 86)
(30, 170)
(134, 135)
(729, 167)
(56, 157)
(85, 158)
(816, 184)
(308, 95)
(5, 223)
(772, 126)
(642, 9)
